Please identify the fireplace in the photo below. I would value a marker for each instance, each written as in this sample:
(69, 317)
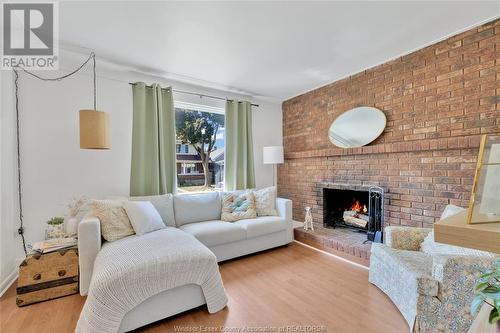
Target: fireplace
(360, 210)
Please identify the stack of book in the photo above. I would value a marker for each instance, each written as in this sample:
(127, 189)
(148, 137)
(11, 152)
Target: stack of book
(54, 244)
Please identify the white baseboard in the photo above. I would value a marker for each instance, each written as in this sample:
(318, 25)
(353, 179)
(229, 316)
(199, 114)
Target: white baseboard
(9, 280)
(297, 224)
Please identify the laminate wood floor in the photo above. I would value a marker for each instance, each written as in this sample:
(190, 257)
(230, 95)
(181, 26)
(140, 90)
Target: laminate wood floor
(293, 286)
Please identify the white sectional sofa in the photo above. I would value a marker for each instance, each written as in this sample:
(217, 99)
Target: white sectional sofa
(198, 215)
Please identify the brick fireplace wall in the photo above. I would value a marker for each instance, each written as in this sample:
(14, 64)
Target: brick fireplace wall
(438, 101)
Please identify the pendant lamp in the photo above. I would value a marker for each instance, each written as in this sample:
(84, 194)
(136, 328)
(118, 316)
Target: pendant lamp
(94, 125)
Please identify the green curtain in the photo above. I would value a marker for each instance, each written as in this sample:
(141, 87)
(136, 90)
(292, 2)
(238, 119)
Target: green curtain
(239, 170)
(153, 168)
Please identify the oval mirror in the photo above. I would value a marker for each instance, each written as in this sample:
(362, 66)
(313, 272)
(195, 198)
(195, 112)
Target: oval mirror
(357, 127)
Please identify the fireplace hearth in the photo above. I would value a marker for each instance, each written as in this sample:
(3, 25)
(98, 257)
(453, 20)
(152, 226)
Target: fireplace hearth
(359, 210)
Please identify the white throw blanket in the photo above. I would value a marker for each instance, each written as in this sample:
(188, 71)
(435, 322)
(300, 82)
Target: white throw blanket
(132, 269)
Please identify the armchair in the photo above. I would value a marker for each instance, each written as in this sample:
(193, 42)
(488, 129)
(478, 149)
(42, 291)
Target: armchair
(430, 283)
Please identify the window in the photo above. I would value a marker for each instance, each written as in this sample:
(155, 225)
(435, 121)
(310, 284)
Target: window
(200, 147)
(188, 168)
(182, 148)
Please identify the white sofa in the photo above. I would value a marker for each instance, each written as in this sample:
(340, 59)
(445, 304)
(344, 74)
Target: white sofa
(198, 215)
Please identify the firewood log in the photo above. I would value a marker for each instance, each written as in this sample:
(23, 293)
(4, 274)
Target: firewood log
(355, 221)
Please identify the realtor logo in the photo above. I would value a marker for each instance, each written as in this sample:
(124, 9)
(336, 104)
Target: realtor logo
(30, 35)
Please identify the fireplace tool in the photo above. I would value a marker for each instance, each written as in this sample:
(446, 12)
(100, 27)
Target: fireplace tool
(375, 214)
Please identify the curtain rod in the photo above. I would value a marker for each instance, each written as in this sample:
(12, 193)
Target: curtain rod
(197, 94)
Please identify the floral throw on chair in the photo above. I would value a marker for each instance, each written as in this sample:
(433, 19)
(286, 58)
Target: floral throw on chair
(432, 284)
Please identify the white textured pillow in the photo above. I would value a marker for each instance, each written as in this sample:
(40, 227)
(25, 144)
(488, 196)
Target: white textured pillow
(115, 223)
(451, 210)
(143, 216)
(265, 201)
(164, 204)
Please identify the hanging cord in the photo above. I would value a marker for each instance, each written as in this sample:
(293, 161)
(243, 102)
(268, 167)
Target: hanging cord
(18, 131)
(20, 231)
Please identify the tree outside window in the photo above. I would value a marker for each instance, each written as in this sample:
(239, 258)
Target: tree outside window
(204, 132)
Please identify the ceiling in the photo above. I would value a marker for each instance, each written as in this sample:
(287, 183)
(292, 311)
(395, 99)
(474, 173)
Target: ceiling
(273, 50)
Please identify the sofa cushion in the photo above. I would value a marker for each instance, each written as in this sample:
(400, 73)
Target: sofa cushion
(262, 225)
(190, 208)
(164, 204)
(216, 232)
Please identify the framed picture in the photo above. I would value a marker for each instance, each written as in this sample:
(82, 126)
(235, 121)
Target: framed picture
(484, 206)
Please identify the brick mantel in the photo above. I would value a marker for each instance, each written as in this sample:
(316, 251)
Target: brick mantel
(438, 102)
(344, 186)
(398, 147)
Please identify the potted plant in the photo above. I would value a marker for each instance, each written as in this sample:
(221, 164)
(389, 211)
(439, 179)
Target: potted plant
(55, 228)
(487, 291)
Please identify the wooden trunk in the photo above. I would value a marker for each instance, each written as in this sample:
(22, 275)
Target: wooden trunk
(47, 276)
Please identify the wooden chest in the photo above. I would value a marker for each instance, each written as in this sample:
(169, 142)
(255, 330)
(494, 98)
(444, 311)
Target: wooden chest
(47, 276)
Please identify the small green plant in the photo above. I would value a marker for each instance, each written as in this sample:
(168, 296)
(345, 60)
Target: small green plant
(487, 291)
(56, 220)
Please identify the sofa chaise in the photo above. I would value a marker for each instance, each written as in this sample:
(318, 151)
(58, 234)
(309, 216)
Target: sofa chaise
(198, 215)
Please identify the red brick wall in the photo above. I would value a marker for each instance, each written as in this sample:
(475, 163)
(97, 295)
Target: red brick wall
(438, 101)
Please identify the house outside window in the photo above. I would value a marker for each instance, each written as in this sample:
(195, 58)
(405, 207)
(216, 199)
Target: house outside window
(199, 147)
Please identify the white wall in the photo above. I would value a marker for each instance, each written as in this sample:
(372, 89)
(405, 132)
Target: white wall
(10, 246)
(54, 169)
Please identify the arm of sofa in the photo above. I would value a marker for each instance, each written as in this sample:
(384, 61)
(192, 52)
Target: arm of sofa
(89, 244)
(385, 261)
(405, 238)
(457, 276)
(460, 269)
(284, 209)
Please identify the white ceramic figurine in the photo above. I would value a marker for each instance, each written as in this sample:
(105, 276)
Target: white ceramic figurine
(308, 222)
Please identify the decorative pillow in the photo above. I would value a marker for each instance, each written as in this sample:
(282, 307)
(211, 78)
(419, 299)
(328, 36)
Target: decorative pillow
(164, 204)
(450, 210)
(265, 201)
(238, 206)
(143, 216)
(115, 223)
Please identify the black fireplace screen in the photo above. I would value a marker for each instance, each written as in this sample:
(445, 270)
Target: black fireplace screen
(359, 210)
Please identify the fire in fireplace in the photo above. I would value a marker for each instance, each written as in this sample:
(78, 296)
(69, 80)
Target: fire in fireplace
(356, 215)
(359, 210)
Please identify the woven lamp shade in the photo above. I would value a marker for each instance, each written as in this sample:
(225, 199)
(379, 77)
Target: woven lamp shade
(94, 130)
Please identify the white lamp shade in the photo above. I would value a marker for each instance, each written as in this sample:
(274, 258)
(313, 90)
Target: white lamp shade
(273, 155)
